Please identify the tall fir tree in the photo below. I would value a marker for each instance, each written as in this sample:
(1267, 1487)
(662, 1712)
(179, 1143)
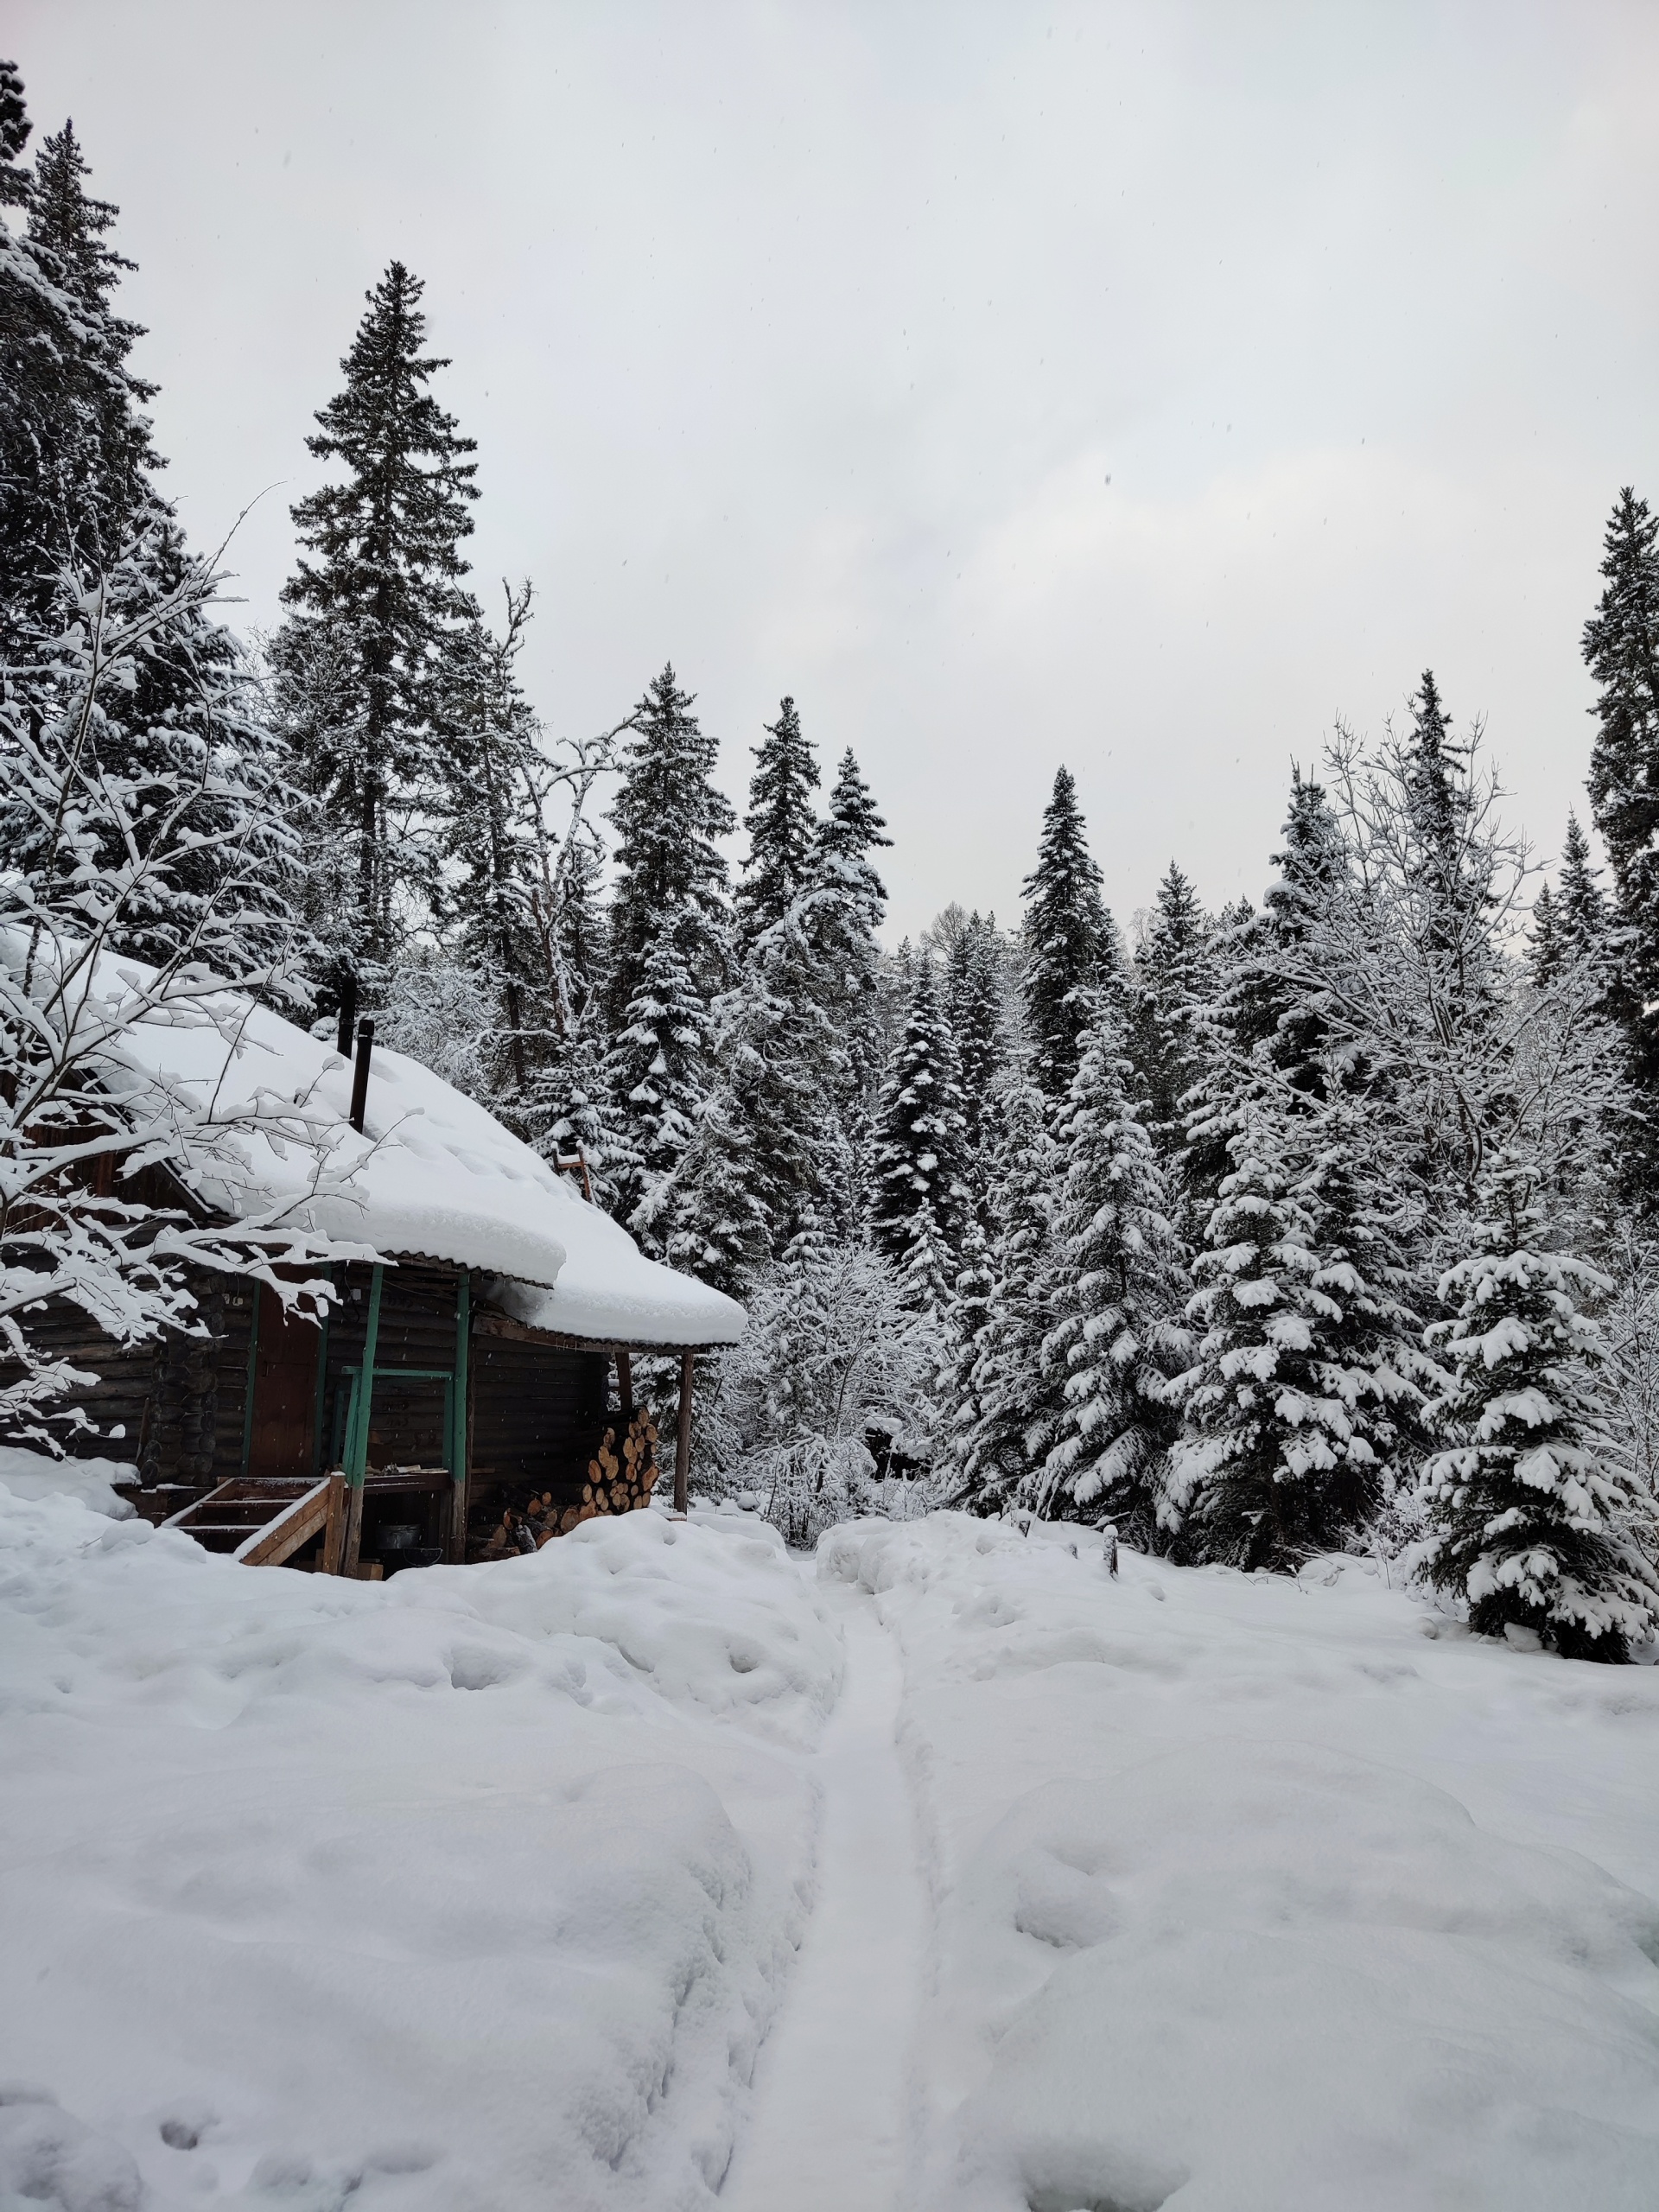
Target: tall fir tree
(1265, 1005)
(1070, 942)
(1621, 650)
(844, 903)
(1269, 1029)
(670, 926)
(89, 550)
(922, 1199)
(1570, 920)
(378, 617)
(491, 847)
(1534, 1508)
(1117, 1286)
(779, 1046)
(974, 1002)
(780, 824)
(1173, 989)
(77, 459)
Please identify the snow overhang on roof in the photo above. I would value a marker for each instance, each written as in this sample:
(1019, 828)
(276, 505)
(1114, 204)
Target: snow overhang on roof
(431, 1175)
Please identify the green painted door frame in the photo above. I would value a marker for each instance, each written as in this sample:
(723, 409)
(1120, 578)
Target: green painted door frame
(357, 1429)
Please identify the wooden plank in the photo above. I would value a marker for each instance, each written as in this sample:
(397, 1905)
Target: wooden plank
(295, 1525)
(218, 1495)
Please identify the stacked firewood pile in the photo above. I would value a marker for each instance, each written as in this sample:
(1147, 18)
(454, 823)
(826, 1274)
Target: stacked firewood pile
(620, 1478)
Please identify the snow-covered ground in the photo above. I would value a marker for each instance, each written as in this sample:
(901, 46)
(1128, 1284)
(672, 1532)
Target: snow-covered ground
(476, 1888)
(545, 1883)
(1254, 1896)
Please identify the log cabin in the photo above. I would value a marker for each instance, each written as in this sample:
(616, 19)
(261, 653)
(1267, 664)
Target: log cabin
(478, 1353)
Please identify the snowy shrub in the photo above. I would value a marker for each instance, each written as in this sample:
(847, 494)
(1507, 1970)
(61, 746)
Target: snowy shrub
(834, 1366)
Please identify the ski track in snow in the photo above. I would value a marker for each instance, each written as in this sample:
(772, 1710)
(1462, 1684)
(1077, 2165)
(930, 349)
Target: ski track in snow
(833, 2085)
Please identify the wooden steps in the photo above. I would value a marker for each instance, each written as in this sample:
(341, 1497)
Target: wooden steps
(263, 1521)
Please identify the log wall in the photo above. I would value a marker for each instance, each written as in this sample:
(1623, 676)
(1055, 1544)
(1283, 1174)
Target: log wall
(536, 1412)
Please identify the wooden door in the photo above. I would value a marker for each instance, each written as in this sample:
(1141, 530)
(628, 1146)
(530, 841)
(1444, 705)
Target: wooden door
(284, 1393)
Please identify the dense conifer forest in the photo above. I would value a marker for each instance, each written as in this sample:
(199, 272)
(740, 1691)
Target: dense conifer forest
(1322, 1223)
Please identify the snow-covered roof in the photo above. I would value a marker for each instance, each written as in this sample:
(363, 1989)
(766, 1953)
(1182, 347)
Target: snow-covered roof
(432, 1174)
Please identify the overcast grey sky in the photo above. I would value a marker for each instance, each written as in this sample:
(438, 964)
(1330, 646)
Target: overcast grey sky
(1133, 386)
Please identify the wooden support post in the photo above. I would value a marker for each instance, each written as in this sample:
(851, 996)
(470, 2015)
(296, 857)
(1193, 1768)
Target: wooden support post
(458, 1468)
(357, 1444)
(253, 1371)
(625, 1387)
(333, 1540)
(682, 1431)
(320, 1408)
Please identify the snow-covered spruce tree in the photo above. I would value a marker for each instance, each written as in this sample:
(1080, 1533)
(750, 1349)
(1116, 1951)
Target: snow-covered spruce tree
(76, 457)
(1265, 1033)
(1070, 942)
(921, 1198)
(845, 901)
(971, 1323)
(491, 844)
(976, 1000)
(1629, 1320)
(778, 1047)
(669, 943)
(1173, 986)
(780, 824)
(1004, 1408)
(1264, 1007)
(1621, 650)
(1293, 1406)
(378, 615)
(1541, 1524)
(1582, 917)
(82, 524)
(86, 1135)
(708, 1215)
(1117, 1284)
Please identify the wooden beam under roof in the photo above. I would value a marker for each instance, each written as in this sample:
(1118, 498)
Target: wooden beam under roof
(489, 1321)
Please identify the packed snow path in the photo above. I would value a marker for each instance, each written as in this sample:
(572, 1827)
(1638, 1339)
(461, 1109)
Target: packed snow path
(833, 2086)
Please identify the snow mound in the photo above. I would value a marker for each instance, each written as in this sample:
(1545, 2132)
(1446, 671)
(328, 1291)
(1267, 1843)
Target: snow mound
(1253, 1900)
(31, 1474)
(475, 1888)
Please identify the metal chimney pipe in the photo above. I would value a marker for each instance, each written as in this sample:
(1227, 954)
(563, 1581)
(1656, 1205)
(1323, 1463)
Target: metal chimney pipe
(360, 1073)
(347, 1015)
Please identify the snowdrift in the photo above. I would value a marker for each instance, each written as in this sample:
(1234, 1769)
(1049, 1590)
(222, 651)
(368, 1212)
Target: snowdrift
(472, 1889)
